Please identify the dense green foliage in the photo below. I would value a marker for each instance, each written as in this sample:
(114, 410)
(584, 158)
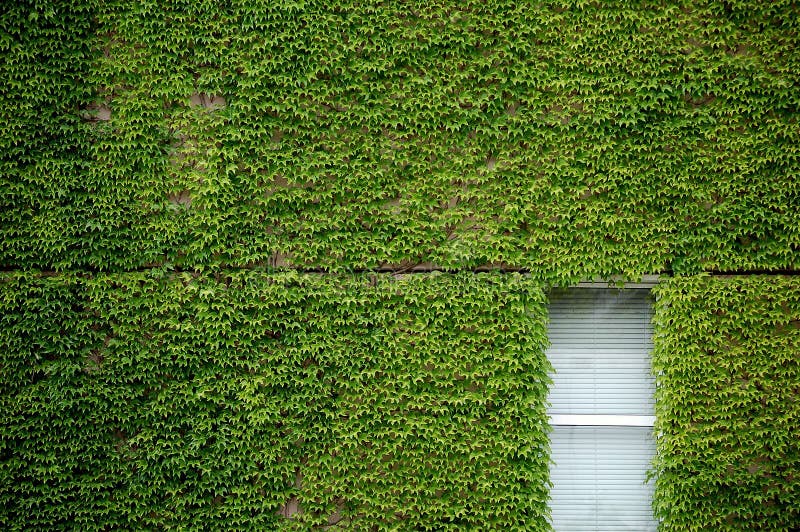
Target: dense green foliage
(727, 360)
(46, 54)
(225, 402)
(571, 138)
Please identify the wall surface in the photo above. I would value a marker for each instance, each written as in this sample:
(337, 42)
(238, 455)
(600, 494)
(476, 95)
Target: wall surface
(571, 139)
(727, 363)
(206, 208)
(236, 401)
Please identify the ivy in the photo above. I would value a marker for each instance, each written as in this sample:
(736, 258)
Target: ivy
(727, 403)
(569, 138)
(165, 162)
(272, 401)
(44, 144)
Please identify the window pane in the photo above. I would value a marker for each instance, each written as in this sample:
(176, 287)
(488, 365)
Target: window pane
(600, 349)
(598, 479)
(600, 340)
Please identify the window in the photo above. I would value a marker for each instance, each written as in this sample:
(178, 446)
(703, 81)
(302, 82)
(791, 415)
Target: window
(601, 409)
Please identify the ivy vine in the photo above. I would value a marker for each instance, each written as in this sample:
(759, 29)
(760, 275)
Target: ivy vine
(273, 401)
(727, 403)
(572, 139)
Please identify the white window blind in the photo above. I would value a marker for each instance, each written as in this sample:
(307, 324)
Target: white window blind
(598, 479)
(601, 409)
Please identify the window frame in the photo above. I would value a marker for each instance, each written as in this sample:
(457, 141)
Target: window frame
(608, 420)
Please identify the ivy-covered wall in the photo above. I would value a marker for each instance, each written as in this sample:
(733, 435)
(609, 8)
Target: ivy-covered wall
(160, 162)
(228, 402)
(727, 363)
(571, 138)
(46, 54)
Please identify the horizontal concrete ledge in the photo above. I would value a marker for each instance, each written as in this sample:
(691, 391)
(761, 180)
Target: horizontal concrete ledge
(645, 279)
